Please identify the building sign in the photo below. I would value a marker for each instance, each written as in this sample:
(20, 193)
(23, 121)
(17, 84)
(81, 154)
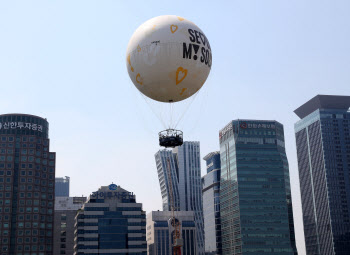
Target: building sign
(246, 125)
(21, 125)
(113, 187)
(114, 195)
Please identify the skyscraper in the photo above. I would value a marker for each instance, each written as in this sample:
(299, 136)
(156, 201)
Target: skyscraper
(111, 222)
(211, 204)
(27, 183)
(323, 149)
(255, 196)
(160, 232)
(185, 170)
(64, 220)
(62, 186)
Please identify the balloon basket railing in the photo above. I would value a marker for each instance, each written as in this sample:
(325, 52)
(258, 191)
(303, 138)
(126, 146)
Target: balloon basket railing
(170, 138)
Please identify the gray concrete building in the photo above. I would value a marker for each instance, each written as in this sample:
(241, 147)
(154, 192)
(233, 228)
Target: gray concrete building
(160, 232)
(65, 211)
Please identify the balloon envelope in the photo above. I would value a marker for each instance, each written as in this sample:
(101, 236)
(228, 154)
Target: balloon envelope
(168, 58)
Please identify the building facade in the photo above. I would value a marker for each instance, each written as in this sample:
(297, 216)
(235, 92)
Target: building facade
(111, 222)
(255, 196)
(323, 150)
(185, 170)
(62, 186)
(160, 232)
(211, 204)
(27, 184)
(64, 220)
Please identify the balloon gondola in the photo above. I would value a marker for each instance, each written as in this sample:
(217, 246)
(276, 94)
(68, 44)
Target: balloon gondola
(170, 138)
(168, 59)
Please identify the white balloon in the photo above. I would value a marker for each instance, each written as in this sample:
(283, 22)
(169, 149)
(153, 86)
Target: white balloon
(168, 58)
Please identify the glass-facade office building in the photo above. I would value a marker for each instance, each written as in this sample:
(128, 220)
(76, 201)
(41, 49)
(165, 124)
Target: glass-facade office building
(255, 196)
(323, 150)
(185, 170)
(62, 186)
(111, 222)
(211, 204)
(27, 183)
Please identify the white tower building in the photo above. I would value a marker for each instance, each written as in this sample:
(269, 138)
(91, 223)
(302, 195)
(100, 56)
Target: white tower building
(186, 179)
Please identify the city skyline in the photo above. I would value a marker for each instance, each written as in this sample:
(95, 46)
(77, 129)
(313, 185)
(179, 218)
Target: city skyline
(65, 61)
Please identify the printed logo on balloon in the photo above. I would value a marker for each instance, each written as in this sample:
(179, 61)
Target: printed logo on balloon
(191, 50)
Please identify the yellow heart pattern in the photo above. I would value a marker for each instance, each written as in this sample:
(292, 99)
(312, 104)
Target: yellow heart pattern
(181, 18)
(183, 90)
(173, 28)
(132, 69)
(138, 48)
(139, 79)
(180, 75)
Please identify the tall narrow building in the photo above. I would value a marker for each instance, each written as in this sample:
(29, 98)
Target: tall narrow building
(323, 149)
(211, 204)
(27, 185)
(185, 169)
(62, 186)
(255, 196)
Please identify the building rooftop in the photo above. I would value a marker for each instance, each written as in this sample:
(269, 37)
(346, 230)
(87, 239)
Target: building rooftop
(211, 154)
(323, 102)
(23, 114)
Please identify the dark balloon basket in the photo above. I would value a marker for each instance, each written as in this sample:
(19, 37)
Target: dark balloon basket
(170, 138)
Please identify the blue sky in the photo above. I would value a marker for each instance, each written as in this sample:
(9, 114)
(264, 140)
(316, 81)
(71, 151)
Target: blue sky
(65, 61)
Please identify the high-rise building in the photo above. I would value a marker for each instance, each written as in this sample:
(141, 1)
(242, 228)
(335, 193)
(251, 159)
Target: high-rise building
(27, 184)
(211, 204)
(160, 232)
(111, 222)
(255, 196)
(64, 220)
(185, 169)
(62, 186)
(323, 149)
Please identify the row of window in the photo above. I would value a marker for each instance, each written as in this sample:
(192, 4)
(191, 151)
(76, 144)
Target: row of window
(24, 145)
(29, 232)
(30, 139)
(33, 152)
(28, 180)
(27, 210)
(29, 173)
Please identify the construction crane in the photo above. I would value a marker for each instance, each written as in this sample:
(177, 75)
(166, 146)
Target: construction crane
(176, 235)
